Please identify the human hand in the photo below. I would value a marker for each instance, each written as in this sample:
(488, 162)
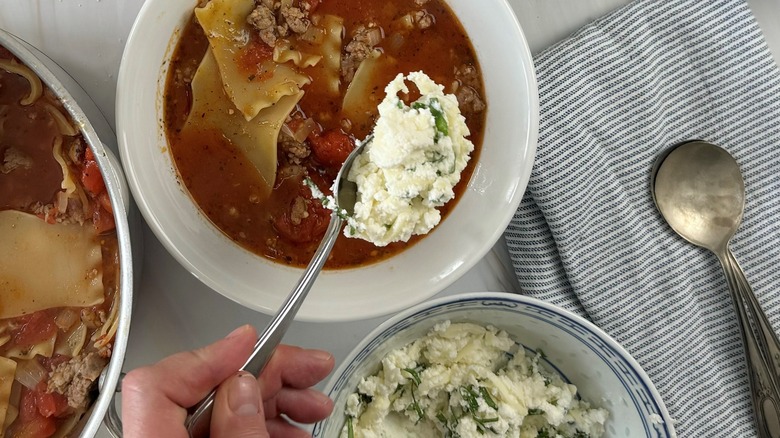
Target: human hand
(155, 398)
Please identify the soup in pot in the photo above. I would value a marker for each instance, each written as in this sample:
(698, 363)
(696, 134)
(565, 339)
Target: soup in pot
(263, 95)
(58, 262)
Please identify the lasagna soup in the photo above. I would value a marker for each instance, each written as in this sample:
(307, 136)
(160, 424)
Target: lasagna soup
(58, 261)
(264, 95)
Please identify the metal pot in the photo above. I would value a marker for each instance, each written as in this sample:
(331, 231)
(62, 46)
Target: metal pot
(86, 115)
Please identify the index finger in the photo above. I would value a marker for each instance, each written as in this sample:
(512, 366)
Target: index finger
(186, 378)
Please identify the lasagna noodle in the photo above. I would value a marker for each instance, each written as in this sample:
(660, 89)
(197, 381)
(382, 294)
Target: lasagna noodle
(256, 138)
(364, 92)
(284, 52)
(63, 124)
(7, 373)
(36, 87)
(330, 67)
(47, 265)
(68, 181)
(44, 348)
(224, 23)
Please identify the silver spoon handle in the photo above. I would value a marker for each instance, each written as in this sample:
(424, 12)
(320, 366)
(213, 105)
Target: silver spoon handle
(761, 346)
(198, 423)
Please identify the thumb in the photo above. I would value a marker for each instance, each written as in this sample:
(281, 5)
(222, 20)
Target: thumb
(238, 409)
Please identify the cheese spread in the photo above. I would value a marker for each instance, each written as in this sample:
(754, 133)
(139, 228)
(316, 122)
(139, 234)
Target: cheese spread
(465, 380)
(412, 164)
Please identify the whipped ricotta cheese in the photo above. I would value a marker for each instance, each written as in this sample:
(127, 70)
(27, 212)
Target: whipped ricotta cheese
(465, 380)
(412, 164)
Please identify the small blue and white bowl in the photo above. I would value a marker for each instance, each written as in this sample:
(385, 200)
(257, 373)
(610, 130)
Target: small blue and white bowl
(604, 373)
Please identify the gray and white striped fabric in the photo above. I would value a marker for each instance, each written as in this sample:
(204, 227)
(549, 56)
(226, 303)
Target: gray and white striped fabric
(587, 236)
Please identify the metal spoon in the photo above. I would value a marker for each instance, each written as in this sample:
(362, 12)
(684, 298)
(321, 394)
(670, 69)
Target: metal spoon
(699, 190)
(198, 423)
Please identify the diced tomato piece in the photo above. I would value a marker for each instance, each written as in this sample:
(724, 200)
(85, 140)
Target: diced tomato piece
(255, 53)
(50, 404)
(35, 328)
(331, 148)
(310, 227)
(102, 219)
(30, 423)
(28, 407)
(91, 178)
(105, 201)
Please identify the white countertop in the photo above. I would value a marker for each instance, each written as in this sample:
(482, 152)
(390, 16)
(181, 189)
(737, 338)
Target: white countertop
(173, 310)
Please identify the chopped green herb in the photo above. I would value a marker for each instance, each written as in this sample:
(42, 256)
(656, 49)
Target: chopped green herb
(350, 431)
(416, 408)
(486, 396)
(535, 411)
(439, 119)
(415, 376)
(470, 397)
(581, 434)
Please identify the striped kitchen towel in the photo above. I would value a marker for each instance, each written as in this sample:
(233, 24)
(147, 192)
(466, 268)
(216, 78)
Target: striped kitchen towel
(587, 236)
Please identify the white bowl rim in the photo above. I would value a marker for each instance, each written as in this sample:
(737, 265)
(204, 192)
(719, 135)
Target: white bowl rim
(644, 379)
(206, 273)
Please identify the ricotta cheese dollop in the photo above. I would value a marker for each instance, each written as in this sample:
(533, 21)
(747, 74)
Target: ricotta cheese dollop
(465, 380)
(412, 164)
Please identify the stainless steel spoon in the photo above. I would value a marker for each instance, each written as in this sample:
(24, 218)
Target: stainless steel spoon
(198, 422)
(699, 190)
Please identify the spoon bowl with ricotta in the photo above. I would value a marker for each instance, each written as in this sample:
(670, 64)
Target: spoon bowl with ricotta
(487, 365)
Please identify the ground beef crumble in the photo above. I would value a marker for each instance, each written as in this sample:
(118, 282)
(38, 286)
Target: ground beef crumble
(272, 20)
(295, 151)
(300, 210)
(75, 378)
(469, 99)
(13, 159)
(422, 19)
(358, 49)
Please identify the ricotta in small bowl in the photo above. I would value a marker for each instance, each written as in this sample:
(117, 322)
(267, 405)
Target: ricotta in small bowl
(468, 380)
(455, 367)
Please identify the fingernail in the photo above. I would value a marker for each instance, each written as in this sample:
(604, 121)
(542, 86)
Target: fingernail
(321, 355)
(236, 332)
(244, 395)
(320, 398)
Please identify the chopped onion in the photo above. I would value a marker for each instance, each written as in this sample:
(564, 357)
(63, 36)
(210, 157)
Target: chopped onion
(406, 22)
(66, 318)
(286, 130)
(396, 41)
(61, 202)
(30, 373)
(72, 344)
(304, 130)
(374, 36)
